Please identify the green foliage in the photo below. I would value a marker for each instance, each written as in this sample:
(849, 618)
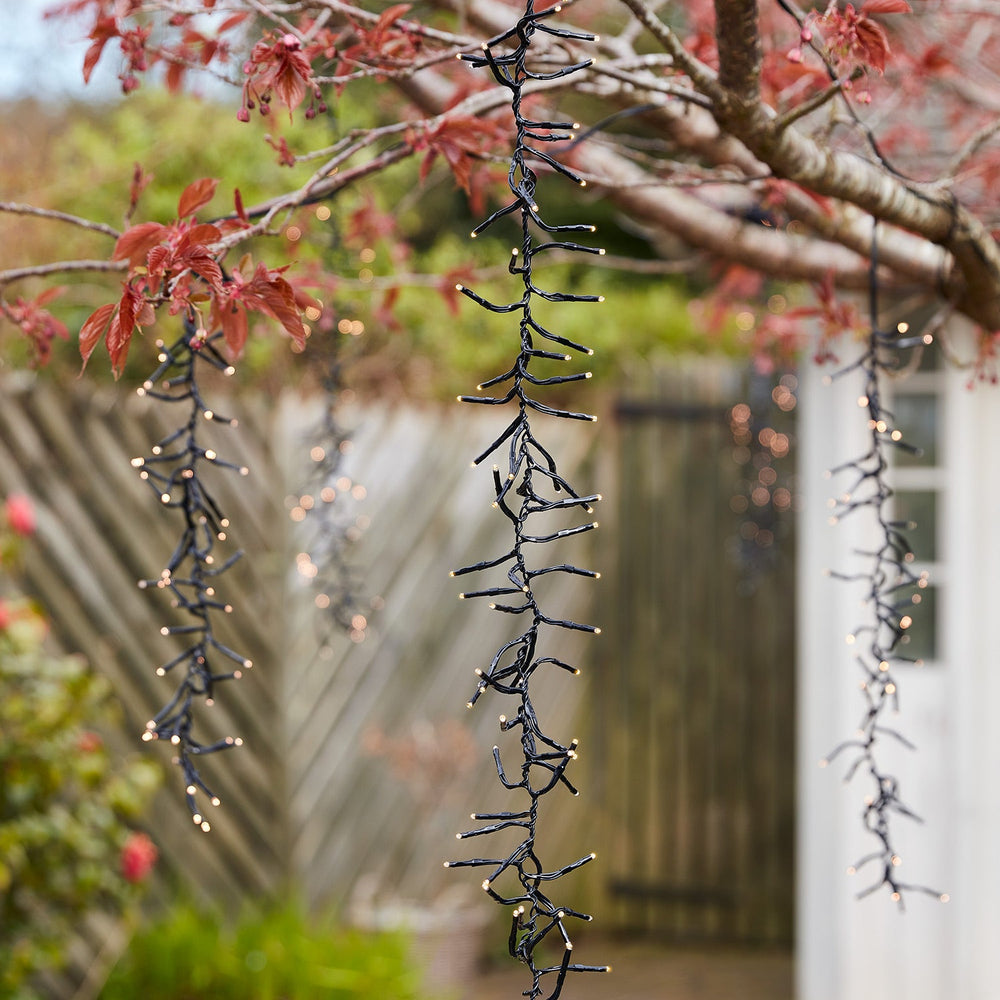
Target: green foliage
(64, 803)
(418, 231)
(269, 953)
(177, 139)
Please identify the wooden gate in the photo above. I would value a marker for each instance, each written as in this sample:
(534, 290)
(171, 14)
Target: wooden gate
(693, 718)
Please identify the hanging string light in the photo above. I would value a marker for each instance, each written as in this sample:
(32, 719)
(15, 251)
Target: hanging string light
(893, 591)
(174, 471)
(325, 506)
(763, 441)
(526, 491)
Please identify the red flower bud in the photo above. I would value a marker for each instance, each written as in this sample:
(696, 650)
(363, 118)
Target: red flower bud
(138, 857)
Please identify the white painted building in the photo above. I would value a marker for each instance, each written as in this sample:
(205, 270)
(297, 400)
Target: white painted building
(868, 950)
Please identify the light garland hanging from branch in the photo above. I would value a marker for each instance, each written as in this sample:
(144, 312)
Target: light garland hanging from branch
(323, 508)
(531, 485)
(893, 592)
(173, 471)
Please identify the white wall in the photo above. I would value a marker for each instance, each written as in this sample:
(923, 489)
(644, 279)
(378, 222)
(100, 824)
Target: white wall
(867, 950)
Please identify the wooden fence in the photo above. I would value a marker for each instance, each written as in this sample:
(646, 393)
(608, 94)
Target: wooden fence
(360, 758)
(696, 719)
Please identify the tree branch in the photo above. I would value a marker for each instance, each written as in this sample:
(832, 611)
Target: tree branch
(702, 76)
(973, 280)
(60, 267)
(15, 208)
(737, 34)
(701, 225)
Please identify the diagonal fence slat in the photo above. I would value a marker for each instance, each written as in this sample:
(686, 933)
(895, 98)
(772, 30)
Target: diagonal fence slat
(99, 530)
(429, 514)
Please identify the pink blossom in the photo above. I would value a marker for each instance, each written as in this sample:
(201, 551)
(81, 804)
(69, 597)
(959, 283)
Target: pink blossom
(138, 857)
(89, 742)
(20, 514)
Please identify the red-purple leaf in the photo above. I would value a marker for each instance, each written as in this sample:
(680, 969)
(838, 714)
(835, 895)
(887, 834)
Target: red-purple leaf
(196, 195)
(204, 233)
(46, 296)
(281, 302)
(291, 74)
(135, 243)
(238, 202)
(390, 15)
(873, 41)
(93, 329)
(104, 30)
(232, 21)
(233, 319)
(199, 260)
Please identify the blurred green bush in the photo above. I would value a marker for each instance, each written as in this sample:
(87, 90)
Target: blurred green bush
(66, 845)
(271, 952)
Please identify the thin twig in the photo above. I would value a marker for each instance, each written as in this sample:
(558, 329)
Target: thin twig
(972, 145)
(816, 101)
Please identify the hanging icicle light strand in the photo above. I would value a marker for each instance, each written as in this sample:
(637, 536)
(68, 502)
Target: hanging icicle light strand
(530, 485)
(891, 588)
(173, 471)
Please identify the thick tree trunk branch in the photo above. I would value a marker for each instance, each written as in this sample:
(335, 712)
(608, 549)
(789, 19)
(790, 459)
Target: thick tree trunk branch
(931, 241)
(723, 235)
(737, 32)
(972, 279)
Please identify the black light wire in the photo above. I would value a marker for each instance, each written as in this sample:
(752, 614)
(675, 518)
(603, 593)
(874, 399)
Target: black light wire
(893, 592)
(174, 470)
(530, 485)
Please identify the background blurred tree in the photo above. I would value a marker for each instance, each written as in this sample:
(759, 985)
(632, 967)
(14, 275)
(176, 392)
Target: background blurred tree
(762, 136)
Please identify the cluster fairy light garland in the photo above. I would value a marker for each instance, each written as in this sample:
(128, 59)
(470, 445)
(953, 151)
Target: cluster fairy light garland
(321, 508)
(531, 486)
(763, 440)
(893, 592)
(173, 471)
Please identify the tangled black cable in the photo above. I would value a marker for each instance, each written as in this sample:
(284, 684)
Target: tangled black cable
(893, 590)
(517, 879)
(173, 471)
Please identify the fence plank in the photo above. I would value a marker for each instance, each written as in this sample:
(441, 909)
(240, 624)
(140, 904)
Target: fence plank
(697, 736)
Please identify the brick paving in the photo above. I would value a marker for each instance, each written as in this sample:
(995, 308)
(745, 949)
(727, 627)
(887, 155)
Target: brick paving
(645, 971)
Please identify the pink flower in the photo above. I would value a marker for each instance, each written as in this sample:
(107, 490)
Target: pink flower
(20, 514)
(138, 857)
(90, 742)
(5, 616)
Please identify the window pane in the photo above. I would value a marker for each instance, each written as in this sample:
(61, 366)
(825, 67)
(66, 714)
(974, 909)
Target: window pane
(919, 506)
(917, 417)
